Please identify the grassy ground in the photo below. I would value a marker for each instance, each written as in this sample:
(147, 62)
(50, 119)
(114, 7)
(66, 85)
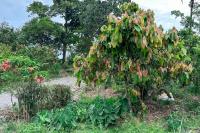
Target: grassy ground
(181, 116)
(132, 126)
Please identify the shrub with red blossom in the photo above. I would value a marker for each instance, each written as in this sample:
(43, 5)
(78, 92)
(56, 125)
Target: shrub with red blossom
(5, 65)
(21, 68)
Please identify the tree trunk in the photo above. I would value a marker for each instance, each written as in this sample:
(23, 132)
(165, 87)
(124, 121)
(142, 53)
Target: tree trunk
(191, 14)
(64, 52)
(128, 95)
(64, 43)
(129, 100)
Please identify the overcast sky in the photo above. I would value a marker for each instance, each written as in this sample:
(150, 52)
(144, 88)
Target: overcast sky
(14, 11)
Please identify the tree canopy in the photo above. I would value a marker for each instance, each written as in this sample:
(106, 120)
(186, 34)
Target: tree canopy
(133, 51)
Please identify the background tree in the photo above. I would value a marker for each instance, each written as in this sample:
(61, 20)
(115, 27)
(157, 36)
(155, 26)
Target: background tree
(190, 22)
(191, 13)
(8, 35)
(92, 16)
(41, 30)
(196, 16)
(190, 35)
(38, 8)
(69, 11)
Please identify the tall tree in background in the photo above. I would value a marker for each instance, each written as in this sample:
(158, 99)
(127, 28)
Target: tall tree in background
(196, 16)
(191, 13)
(8, 35)
(69, 11)
(93, 15)
(192, 22)
(39, 9)
(41, 30)
(191, 26)
(190, 18)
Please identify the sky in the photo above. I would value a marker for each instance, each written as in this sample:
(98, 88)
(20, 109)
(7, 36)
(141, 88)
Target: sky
(14, 11)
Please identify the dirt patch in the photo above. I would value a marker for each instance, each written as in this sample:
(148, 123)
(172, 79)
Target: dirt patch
(7, 114)
(106, 93)
(157, 111)
(195, 98)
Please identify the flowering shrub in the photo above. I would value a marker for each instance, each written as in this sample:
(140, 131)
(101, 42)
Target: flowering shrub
(20, 68)
(5, 65)
(23, 69)
(133, 51)
(5, 50)
(39, 79)
(44, 55)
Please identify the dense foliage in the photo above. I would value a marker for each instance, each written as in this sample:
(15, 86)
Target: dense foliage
(27, 62)
(133, 50)
(93, 14)
(99, 111)
(139, 67)
(196, 72)
(190, 35)
(104, 113)
(19, 68)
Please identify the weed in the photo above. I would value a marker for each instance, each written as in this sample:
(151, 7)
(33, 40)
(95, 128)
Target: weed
(175, 122)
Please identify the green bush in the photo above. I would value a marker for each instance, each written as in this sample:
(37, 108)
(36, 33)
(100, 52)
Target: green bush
(33, 98)
(192, 106)
(59, 119)
(55, 69)
(46, 56)
(42, 54)
(56, 96)
(82, 109)
(104, 112)
(100, 112)
(25, 128)
(19, 69)
(196, 73)
(5, 50)
(174, 122)
(27, 99)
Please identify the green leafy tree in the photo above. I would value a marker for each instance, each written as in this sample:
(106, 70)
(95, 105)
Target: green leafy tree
(92, 16)
(192, 4)
(190, 22)
(190, 35)
(41, 31)
(8, 35)
(68, 10)
(37, 8)
(196, 73)
(133, 52)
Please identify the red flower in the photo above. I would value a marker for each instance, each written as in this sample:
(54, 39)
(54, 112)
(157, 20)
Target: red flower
(39, 79)
(6, 65)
